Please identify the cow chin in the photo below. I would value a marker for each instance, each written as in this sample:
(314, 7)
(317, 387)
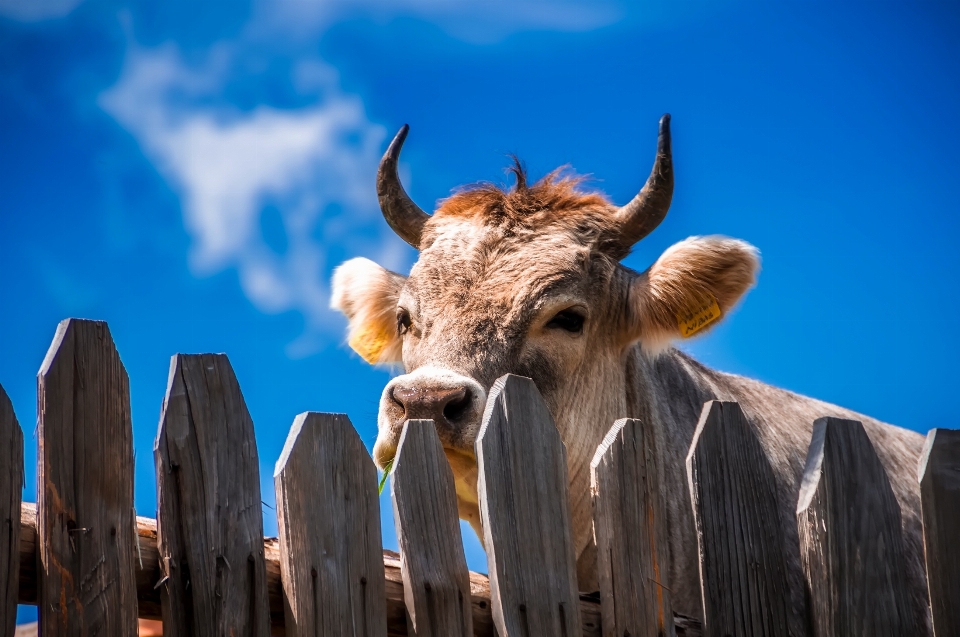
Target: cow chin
(455, 404)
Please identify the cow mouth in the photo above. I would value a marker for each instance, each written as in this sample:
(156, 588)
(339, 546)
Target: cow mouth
(462, 461)
(463, 465)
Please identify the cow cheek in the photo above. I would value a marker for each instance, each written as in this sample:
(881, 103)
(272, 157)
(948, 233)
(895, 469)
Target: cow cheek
(550, 362)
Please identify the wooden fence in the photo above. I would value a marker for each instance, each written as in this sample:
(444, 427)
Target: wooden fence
(204, 568)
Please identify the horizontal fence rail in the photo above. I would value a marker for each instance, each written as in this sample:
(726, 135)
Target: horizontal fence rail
(148, 575)
(205, 568)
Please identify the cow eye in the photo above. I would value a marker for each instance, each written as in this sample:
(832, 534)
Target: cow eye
(568, 320)
(403, 321)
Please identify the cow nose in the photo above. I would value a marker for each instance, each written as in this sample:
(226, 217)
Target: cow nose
(436, 404)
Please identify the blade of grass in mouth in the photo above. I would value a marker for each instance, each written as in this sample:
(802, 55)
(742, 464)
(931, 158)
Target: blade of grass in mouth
(383, 477)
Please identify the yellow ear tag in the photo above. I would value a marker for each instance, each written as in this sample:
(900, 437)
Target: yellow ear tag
(694, 320)
(370, 341)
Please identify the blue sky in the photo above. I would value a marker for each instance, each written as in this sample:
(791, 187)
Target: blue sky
(192, 173)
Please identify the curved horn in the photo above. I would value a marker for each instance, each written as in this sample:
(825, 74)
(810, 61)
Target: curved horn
(644, 213)
(405, 217)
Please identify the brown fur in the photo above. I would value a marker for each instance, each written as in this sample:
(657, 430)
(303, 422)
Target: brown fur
(556, 200)
(686, 275)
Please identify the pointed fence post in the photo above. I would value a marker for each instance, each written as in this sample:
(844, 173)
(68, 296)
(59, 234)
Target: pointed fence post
(743, 573)
(939, 476)
(525, 512)
(85, 511)
(436, 582)
(629, 526)
(328, 513)
(209, 526)
(11, 488)
(851, 544)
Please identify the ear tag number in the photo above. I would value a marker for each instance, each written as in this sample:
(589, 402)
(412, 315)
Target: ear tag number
(694, 320)
(369, 341)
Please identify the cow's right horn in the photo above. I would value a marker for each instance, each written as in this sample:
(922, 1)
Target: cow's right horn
(405, 217)
(644, 213)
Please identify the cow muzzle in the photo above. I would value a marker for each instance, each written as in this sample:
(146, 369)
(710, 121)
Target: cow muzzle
(452, 401)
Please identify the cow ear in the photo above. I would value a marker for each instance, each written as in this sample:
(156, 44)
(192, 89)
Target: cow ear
(690, 288)
(367, 294)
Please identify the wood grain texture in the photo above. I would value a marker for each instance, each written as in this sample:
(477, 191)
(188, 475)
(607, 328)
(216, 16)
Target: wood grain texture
(148, 593)
(435, 577)
(11, 488)
(629, 527)
(328, 513)
(851, 546)
(939, 476)
(85, 478)
(524, 509)
(210, 527)
(743, 573)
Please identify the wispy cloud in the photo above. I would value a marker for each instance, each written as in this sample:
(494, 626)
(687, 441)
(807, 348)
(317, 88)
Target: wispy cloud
(314, 165)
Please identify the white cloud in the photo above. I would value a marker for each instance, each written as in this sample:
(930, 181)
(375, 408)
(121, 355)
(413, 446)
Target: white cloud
(229, 165)
(36, 10)
(314, 165)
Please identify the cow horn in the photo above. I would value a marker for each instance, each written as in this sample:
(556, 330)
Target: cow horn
(405, 217)
(644, 213)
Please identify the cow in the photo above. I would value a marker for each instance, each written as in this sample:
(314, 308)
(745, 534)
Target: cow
(527, 280)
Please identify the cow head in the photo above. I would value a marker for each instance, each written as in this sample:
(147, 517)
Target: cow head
(528, 281)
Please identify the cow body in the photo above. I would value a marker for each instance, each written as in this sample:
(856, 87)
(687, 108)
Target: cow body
(528, 281)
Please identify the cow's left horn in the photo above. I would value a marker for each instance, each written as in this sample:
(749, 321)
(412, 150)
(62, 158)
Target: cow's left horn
(644, 213)
(405, 217)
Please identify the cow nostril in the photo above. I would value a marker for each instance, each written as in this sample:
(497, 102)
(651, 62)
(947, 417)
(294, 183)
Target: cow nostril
(403, 397)
(455, 409)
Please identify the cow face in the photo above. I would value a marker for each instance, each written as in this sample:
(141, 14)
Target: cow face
(528, 281)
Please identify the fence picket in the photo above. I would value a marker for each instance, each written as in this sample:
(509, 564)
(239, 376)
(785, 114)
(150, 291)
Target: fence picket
(524, 509)
(739, 529)
(629, 526)
(85, 476)
(850, 537)
(11, 488)
(328, 512)
(436, 581)
(210, 526)
(939, 476)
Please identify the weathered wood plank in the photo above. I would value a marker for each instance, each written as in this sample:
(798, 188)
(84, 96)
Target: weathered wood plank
(328, 512)
(524, 509)
(210, 528)
(851, 546)
(743, 575)
(436, 581)
(939, 476)
(149, 594)
(11, 488)
(629, 527)
(85, 476)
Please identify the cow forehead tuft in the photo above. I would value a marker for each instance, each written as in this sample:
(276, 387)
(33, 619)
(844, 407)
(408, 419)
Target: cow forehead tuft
(559, 193)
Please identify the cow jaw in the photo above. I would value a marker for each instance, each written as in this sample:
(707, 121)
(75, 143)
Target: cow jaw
(465, 475)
